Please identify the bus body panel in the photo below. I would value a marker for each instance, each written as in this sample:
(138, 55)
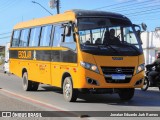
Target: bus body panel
(102, 82)
(38, 70)
(48, 65)
(128, 61)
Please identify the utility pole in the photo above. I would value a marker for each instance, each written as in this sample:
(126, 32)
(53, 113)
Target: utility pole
(58, 4)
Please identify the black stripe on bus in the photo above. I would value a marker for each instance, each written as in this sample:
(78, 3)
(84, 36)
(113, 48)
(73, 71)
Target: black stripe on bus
(67, 56)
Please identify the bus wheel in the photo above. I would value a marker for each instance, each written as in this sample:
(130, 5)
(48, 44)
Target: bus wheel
(29, 85)
(70, 94)
(35, 86)
(126, 94)
(146, 84)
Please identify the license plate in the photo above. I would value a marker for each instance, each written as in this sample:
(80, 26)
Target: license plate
(118, 76)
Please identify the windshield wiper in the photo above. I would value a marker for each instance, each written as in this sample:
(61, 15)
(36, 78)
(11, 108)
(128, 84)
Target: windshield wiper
(100, 47)
(107, 45)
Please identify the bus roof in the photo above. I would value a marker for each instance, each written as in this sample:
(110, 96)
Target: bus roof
(92, 13)
(69, 15)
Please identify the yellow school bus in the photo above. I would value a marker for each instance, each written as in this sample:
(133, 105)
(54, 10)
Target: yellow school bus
(79, 51)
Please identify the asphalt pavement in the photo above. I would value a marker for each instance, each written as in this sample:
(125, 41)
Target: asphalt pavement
(48, 98)
(1, 68)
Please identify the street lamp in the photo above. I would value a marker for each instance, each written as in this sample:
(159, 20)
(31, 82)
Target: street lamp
(42, 7)
(55, 4)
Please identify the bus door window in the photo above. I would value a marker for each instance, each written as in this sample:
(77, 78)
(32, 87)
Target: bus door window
(69, 41)
(34, 36)
(46, 36)
(58, 32)
(15, 38)
(24, 38)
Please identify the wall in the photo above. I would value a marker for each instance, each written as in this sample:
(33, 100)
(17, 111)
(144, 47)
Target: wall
(151, 45)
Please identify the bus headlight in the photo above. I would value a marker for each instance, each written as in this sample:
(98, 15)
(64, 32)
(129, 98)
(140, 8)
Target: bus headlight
(140, 68)
(89, 66)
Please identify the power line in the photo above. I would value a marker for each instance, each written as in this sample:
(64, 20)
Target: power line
(138, 13)
(147, 14)
(5, 33)
(138, 5)
(148, 19)
(133, 4)
(8, 4)
(144, 2)
(113, 5)
(135, 8)
(144, 11)
(5, 37)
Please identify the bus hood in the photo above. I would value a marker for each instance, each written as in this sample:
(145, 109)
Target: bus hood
(116, 61)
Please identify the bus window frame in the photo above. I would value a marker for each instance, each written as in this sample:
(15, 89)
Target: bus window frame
(72, 34)
(38, 37)
(50, 43)
(18, 37)
(27, 37)
(51, 35)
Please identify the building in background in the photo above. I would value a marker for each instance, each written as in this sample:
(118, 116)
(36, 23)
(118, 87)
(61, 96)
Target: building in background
(151, 45)
(2, 53)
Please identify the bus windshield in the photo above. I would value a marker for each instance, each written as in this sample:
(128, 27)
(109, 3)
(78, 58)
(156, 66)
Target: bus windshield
(108, 36)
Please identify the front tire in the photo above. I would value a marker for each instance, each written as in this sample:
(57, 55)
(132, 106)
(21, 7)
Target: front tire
(70, 94)
(29, 85)
(145, 84)
(126, 93)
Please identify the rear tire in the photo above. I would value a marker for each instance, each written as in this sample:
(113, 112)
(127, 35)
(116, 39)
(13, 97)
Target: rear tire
(70, 94)
(145, 84)
(29, 85)
(126, 93)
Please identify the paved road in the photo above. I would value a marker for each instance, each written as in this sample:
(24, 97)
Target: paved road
(48, 98)
(1, 68)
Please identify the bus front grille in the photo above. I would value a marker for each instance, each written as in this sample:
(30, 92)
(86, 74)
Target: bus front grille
(126, 71)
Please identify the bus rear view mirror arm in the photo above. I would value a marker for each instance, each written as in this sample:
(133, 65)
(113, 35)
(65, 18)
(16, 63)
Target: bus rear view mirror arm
(68, 30)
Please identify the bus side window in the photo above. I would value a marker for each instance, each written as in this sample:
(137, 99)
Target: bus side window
(24, 38)
(34, 36)
(57, 36)
(46, 36)
(15, 38)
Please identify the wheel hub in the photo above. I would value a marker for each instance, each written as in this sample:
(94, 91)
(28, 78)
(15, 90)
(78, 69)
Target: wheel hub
(67, 90)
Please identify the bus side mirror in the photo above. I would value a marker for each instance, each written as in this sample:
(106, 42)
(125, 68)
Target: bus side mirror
(68, 31)
(144, 26)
